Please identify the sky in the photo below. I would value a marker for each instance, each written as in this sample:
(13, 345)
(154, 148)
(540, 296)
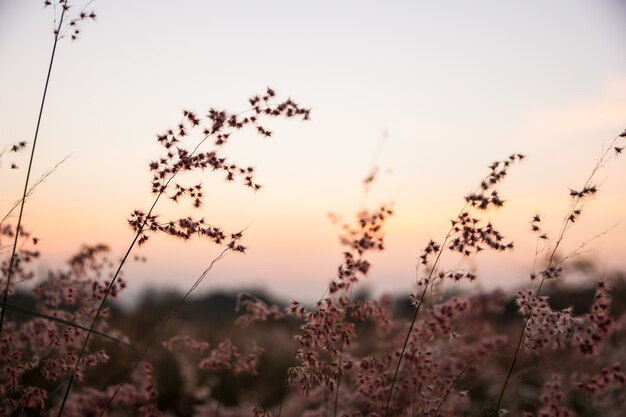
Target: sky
(431, 92)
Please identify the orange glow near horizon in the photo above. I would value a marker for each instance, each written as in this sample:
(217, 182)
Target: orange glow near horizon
(454, 89)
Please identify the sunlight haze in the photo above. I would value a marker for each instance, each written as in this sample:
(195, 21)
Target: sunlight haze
(430, 92)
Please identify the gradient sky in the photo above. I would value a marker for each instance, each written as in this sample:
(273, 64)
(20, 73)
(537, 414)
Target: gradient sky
(456, 85)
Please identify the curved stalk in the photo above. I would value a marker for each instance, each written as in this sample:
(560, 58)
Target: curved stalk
(158, 331)
(567, 222)
(417, 309)
(112, 283)
(12, 260)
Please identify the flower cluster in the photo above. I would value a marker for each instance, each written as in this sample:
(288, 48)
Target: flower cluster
(184, 154)
(70, 24)
(44, 340)
(15, 148)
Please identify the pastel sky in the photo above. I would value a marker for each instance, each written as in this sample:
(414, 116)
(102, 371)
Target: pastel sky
(455, 84)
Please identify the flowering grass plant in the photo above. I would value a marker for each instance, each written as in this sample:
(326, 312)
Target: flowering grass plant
(66, 349)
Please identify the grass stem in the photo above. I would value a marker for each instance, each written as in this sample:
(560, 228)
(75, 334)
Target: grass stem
(12, 260)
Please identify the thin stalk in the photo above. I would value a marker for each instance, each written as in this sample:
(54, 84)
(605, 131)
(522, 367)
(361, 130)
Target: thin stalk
(339, 373)
(406, 342)
(455, 380)
(68, 323)
(423, 295)
(30, 165)
(567, 222)
(415, 391)
(117, 272)
(417, 309)
(97, 316)
(32, 188)
(338, 380)
(286, 385)
(114, 280)
(523, 332)
(512, 366)
(337, 383)
(161, 326)
(417, 386)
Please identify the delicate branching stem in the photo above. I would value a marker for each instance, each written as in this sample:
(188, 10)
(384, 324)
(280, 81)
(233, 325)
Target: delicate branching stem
(12, 260)
(288, 108)
(406, 342)
(474, 199)
(417, 309)
(97, 316)
(160, 328)
(512, 365)
(417, 386)
(567, 222)
(339, 373)
(114, 280)
(140, 230)
(337, 383)
(32, 188)
(455, 380)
